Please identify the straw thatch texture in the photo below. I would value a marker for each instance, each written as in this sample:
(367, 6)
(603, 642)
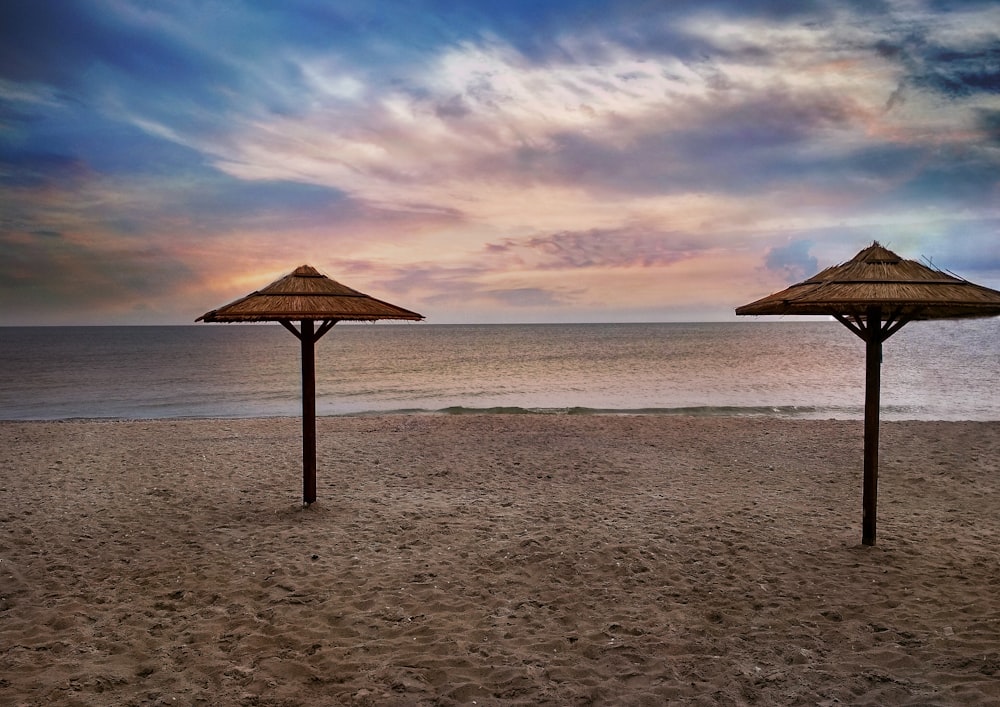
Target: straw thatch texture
(877, 276)
(307, 294)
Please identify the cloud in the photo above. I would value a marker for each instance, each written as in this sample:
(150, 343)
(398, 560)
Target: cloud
(477, 282)
(792, 260)
(48, 277)
(40, 170)
(489, 117)
(955, 72)
(525, 297)
(594, 112)
(85, 47)
(967, 248)
(541, 157)
(594, 249)
(989, 122)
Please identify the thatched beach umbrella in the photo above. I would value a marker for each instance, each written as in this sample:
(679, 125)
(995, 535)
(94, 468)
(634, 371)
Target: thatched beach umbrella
(874, 295)
(307, 296)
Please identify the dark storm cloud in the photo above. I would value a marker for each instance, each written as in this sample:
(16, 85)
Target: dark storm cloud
(961, 73)
(955, 71)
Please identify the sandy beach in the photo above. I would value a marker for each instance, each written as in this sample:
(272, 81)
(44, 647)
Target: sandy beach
(498, 560)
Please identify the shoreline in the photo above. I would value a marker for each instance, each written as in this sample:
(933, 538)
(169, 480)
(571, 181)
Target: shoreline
(788, 412)
(496, 558)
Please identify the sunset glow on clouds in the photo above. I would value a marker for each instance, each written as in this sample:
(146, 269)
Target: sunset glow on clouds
(494, 162)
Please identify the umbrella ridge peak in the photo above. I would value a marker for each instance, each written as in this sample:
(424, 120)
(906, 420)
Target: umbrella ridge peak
(877, 253)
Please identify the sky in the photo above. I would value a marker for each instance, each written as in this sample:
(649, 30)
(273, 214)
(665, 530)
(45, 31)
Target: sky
(487, 162)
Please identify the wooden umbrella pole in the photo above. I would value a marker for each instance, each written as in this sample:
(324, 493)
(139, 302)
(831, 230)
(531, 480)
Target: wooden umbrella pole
(876, 294)
(317, 303)
(873, 382)
(308, 411)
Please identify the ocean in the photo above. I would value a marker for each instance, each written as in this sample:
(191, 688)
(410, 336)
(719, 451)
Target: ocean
(945, 370)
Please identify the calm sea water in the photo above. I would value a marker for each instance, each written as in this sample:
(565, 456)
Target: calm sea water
(932, 370)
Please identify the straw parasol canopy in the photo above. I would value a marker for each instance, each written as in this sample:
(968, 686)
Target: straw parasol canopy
(307, 296)
(904, 289)
(874, 295)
